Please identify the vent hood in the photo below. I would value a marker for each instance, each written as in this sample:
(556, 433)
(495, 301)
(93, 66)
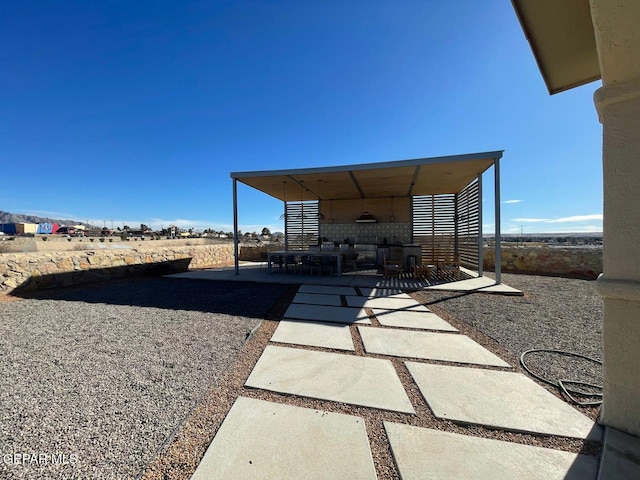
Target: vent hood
(366, 217)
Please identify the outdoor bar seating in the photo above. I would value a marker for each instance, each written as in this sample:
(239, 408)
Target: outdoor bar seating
(304, 261)
(451, 267)
(392, 267)
(424, 271)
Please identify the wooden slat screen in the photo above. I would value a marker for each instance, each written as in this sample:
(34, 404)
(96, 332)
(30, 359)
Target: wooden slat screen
(446, 224)
(301, 225)
(433, 221)
(468, 225)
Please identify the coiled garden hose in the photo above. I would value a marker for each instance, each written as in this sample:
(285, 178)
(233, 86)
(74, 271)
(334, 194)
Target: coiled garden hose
(563, 383)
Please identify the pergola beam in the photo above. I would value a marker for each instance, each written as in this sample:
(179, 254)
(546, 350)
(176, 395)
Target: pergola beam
(236, 255)
(413, 180)
(480, 232)
(357, 185)
(498, 246)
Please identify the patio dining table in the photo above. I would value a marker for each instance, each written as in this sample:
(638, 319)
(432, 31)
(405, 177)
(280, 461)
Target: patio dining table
(298, 253)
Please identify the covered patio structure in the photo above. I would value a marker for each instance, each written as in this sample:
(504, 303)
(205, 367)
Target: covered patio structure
(420, 210)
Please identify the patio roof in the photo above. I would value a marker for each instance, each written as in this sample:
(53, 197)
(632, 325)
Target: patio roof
(402, 178)
(422, 176)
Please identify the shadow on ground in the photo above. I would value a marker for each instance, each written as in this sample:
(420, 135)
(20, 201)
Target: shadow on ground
(246, 299)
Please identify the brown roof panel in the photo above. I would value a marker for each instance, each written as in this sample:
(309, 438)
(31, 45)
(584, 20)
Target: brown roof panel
(561, 36)
(401, 178)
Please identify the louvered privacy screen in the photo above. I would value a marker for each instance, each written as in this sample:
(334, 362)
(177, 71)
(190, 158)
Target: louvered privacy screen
(301, 225)
(446, 224)
(468, 206)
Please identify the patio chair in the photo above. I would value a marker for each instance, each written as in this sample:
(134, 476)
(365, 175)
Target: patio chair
(306, 263)
(327, 263)
(391, 267)
(314, 261)
(352, 260)
(263, 259)
(290, 261)
(277, 261)
(449, 267)
(424, 271)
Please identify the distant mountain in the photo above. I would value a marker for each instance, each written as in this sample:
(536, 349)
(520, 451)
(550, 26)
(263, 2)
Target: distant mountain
(6, 217)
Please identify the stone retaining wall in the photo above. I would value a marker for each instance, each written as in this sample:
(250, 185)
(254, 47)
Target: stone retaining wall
(62, 243)
(31, 271)
(581, 262)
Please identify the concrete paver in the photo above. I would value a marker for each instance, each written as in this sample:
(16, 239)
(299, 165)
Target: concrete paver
(422, 453)
(404, 319)
(383, 292)
(370, 382)
(323, 313)
(317, 299)
(260, 440)
(250, 272)
(388, 303)
(316, 334)
(327, 289)
(476, 284)
(498, 399)
(446, 347)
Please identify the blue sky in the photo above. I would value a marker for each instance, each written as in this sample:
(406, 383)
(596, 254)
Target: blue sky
(136, 112)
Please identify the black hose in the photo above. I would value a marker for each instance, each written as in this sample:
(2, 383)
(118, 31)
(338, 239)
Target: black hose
(562, 383)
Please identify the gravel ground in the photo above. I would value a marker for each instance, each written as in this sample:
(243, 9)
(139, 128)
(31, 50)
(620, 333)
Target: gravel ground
(115, 440)
(105, 374)
(553, 313)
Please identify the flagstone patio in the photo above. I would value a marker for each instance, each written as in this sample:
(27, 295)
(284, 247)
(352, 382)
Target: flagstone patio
(427, 345)
(318, 299)
(369, 382)
(254, 272)
(259, 440)
(434, 455)
(497, 399)
(264, 439)
(315, 334)
(325, 313)
(405, 319)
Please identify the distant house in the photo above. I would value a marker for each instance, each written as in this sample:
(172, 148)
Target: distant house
(25, 228)
(46, 228)
(8, 228)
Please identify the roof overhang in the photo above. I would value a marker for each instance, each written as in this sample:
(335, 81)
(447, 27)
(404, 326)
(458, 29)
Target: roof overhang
(561, 36)
(423, 176)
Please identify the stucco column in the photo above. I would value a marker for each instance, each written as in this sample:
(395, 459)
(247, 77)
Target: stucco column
(617, 30)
